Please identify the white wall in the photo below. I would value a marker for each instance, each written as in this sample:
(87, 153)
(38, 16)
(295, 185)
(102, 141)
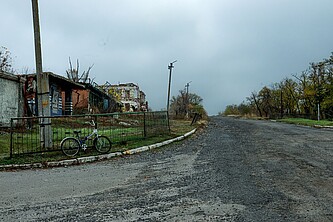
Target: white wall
(9, 100)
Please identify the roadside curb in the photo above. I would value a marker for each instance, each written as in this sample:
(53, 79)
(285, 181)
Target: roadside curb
(323, 127)
(157, 145)
(90, 159)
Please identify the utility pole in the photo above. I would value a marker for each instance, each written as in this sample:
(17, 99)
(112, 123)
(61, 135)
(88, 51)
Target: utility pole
(318, 111)
(170, 67)
(281, 102)
(187, 86)
(43, 100)
(187, 99)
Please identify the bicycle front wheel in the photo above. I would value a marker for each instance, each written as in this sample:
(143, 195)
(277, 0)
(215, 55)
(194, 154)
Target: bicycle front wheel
(102, 144)
(70, 146)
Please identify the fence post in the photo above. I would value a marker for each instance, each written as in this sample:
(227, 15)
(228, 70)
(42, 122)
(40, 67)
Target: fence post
(11, 138)
(95, 119)
(144, 125)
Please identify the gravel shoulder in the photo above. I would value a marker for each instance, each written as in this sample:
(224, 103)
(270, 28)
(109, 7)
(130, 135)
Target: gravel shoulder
(235, 170)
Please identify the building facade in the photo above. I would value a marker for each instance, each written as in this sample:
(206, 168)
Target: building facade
(129, 95)
(61, 90)
(93, 99)
(11, 98)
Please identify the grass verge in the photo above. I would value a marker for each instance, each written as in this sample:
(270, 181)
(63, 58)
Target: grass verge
(307, 122)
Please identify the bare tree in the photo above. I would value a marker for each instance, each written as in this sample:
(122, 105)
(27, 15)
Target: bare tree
(254, 100)
(73, 73)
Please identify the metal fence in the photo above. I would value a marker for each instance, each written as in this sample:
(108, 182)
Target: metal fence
(118, 127)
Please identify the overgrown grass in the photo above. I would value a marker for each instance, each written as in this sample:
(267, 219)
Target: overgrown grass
(4, 144)
(58, 155)
(178, 127)
(307, 122)
(28, 140)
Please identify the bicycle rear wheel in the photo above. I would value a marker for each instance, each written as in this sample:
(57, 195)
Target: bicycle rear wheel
(70, 146)
(102, 144)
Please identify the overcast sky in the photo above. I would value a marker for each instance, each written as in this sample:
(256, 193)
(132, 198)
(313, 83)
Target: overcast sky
(227, 48)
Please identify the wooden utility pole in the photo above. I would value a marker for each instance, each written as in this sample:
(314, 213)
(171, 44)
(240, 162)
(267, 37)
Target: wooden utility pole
(281, 101)
(43, 100)
(170, 67)
(187, 99)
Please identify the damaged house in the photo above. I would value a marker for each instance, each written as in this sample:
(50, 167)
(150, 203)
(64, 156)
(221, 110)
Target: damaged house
(93, 99)
(68, 97)
(61, 90)
(130, 96)
(18, 97)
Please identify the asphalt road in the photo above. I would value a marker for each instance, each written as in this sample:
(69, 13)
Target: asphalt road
(235, 170)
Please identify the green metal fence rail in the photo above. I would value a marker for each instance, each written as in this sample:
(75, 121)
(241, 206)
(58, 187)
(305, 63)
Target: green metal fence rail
(118, 127)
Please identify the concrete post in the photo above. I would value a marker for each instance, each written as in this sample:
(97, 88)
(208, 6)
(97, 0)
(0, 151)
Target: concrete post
(43, 99)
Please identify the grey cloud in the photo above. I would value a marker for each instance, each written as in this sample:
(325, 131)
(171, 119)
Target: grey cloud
(226, 48)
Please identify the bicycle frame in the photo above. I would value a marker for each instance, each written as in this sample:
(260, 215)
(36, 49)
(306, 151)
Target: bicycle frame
(101, 143)
(83, 141)
(95, 132)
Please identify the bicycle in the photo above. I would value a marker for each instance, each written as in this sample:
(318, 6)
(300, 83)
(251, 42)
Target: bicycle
(71, 146)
